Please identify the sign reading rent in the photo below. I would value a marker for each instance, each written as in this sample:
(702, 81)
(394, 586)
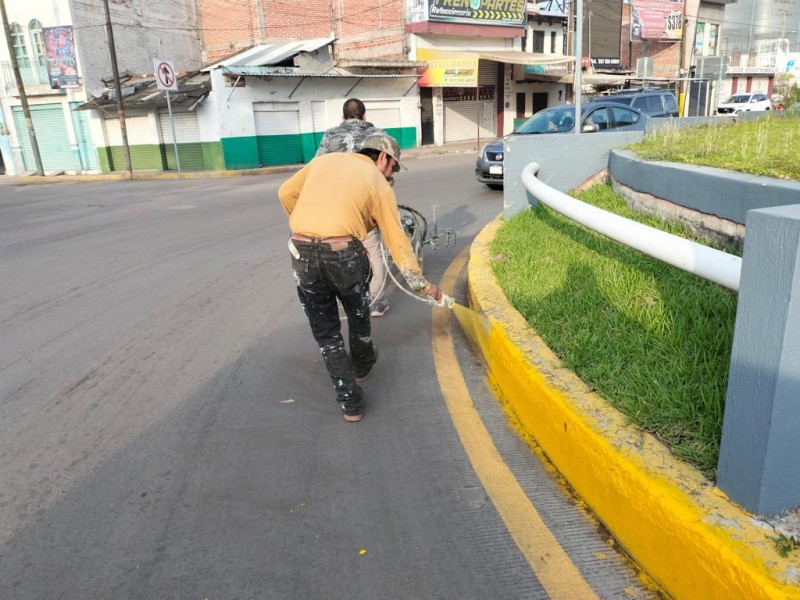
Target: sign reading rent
(657, 19)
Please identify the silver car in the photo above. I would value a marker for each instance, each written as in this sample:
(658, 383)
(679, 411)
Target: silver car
(596, 116)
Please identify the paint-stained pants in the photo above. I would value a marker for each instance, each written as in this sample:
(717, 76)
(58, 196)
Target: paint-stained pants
(323, 274)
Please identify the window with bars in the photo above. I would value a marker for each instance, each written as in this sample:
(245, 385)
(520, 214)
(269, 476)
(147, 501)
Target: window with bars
(538, 41)
(37, 40)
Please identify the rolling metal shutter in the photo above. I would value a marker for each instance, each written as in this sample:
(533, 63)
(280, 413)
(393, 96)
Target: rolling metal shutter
(187, 132)
(278, 133)
(461, 120)
(384, 115)
(463, 114)
(50, 126)
(318, 121)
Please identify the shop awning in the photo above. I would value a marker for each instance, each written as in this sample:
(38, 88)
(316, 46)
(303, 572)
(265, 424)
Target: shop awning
(517, 57)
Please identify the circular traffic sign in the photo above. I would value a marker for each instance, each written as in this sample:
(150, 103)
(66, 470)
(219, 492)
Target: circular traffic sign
(165, 74)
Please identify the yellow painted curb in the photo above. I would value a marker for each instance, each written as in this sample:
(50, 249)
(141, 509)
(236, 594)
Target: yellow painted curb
(681, 530)
(147, 175)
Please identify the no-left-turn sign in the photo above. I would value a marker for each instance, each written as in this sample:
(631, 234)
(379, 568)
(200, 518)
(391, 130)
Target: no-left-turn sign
(165, 75)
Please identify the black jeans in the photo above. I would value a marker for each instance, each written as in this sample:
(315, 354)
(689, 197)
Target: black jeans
(322, 275)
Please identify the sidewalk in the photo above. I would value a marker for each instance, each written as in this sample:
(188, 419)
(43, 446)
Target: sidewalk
(467, 147)
(684, 532)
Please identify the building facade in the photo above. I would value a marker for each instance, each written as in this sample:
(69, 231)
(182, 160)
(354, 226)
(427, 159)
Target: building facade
(63, 53)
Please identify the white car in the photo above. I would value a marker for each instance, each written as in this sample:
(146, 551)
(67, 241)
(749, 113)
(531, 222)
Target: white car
(744, 103)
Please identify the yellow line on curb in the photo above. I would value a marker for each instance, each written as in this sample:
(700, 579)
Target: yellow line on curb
(553, 568)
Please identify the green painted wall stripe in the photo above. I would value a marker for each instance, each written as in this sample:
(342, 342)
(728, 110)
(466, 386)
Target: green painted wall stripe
(240, 152)
(236, 153)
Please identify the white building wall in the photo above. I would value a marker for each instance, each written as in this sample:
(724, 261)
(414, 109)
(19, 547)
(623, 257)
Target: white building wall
(233, 107)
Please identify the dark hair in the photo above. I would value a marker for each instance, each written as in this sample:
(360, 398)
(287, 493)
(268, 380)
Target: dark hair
(354, 109)
(371, 152)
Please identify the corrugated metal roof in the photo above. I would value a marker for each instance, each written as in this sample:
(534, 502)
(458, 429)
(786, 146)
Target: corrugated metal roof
(143, 93)
(270, 54)
(334, 73)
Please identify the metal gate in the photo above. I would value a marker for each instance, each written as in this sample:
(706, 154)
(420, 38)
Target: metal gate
(278, 133)
(187, 132)
(50, 128)
(698, 94)
(86, 149)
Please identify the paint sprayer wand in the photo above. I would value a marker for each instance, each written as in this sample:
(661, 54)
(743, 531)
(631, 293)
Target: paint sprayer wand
(445, 300)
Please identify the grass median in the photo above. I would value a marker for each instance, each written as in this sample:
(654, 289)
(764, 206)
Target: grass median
(653, 340)
(765, 146)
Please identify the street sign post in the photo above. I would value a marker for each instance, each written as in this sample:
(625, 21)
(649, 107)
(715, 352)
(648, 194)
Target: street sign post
(168, 82)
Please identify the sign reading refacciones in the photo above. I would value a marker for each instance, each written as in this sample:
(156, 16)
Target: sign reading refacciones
(165, 75)
(478, 12)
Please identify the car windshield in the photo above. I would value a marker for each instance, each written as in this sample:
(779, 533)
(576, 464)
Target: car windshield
(556, 120)
(739, 99)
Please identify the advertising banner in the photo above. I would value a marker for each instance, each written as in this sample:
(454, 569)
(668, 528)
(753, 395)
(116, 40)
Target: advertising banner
(478, 12)
(60, 55)
(657, 19)
(447, 68)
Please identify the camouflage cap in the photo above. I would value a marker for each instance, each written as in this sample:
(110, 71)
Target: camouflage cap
(385, 143)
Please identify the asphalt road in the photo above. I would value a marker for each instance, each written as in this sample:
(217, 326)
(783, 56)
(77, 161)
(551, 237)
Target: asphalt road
(167, 429)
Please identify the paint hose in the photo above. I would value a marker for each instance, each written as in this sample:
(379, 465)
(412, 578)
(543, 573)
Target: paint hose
(445, 300)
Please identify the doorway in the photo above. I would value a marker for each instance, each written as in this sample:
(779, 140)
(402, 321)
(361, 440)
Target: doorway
(426, 115)
(539, 101)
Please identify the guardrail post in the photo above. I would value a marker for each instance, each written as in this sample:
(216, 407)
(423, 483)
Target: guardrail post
(758, 464)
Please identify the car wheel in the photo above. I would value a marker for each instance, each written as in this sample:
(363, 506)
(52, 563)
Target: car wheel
(495, 186)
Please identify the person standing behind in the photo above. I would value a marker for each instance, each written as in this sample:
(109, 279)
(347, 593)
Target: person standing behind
(332, 203)
(348, 137)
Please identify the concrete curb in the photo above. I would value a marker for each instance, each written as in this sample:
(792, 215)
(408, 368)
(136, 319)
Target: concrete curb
(411, 154)
(679, 528)
(145, 176)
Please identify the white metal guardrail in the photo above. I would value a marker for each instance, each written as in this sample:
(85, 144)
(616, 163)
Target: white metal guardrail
(708, 263)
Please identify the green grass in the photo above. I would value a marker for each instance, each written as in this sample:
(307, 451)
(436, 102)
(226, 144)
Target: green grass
(652, 340)
(767, 146)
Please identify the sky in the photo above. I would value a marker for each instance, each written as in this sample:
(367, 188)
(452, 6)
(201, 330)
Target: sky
(769, 19)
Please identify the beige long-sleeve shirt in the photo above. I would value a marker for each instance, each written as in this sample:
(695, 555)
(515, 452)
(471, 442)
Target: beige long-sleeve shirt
(346, 194)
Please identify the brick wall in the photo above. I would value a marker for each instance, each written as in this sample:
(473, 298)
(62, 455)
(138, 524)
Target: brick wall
(143, 30)
(363, 28)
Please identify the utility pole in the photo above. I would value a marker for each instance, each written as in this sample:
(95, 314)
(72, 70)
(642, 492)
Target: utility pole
(26, 110)
(118, 89)
(570, 35)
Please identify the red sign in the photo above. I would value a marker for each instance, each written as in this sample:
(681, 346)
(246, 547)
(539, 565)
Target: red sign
(657, 19)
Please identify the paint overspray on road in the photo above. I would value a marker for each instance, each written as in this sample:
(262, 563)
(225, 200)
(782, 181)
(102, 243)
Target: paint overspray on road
(473, 324)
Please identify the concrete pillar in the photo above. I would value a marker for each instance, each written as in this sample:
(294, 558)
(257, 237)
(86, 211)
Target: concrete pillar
(759, 463)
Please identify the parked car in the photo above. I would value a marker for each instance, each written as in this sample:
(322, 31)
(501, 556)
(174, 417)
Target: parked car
(656, 103)
(595, 116)
(744, 103)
